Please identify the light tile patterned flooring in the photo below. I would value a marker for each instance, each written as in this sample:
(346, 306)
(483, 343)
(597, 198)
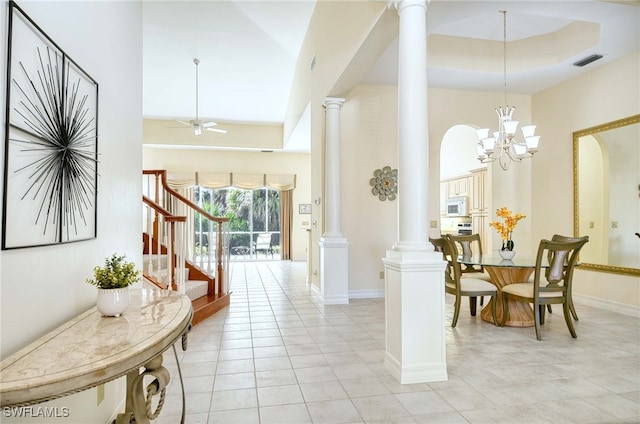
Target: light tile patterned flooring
(277, 355)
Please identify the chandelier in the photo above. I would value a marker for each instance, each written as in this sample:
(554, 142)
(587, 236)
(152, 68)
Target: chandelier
(503, 145)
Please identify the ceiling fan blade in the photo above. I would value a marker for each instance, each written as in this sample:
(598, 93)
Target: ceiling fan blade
(209, 124)
(185, 123)
(218, 130)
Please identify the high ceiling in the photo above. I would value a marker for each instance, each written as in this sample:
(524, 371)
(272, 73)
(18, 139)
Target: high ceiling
(248, 50)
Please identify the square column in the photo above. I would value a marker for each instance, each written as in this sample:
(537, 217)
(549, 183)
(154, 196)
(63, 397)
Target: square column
(414, 310)
(334, 263)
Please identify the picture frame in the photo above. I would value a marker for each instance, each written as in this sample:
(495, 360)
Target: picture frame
(304, 208)
(51, 142)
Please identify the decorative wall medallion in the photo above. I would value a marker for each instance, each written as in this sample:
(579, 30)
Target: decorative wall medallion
(51, 146)
(384, 183)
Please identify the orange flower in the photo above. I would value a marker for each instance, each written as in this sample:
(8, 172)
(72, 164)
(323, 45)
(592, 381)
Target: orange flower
(510, 221)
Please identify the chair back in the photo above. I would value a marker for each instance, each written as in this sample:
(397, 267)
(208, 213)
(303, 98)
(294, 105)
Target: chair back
(471, 246)
(561, 255)
(439, 245)
(454, 272)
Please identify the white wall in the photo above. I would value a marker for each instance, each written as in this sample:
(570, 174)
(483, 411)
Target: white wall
(245, 162)
(458, 152)
(43, 287)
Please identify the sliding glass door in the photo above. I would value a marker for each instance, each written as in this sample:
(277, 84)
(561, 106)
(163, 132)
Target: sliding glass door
(254, 220)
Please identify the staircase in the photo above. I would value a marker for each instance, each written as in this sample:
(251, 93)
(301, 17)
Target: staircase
(172, 258)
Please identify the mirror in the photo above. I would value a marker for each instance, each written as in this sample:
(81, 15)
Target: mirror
(606, 195)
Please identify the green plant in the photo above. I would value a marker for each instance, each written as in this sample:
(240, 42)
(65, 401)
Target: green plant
(116, 273)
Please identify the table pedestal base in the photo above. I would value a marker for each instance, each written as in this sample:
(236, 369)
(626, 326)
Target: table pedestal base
(520, 314)
(138, 405)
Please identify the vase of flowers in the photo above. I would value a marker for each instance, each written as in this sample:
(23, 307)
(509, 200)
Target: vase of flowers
(112, 281)
(505, 229)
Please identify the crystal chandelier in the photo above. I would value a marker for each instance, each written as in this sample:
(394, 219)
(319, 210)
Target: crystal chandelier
(502, 145)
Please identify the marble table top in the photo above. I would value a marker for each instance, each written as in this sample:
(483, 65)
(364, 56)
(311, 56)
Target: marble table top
(90, 350)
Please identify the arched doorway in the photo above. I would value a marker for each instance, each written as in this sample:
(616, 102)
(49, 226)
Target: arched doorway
(463, 176)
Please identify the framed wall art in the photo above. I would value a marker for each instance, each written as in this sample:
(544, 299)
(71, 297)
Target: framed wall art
(51, 141)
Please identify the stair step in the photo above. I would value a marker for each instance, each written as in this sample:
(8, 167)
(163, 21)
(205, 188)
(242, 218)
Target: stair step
(195, 289)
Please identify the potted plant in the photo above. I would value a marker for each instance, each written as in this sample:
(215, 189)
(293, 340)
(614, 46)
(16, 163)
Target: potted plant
(113, 281)
(506, 230)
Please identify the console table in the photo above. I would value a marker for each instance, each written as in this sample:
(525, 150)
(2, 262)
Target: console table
(90, 350)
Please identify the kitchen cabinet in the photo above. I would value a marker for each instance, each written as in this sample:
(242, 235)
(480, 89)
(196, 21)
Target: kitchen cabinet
(444, 187)
(479, 209)
(478, 200)
(458, 187)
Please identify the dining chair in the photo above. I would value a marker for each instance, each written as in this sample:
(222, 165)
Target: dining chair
(558, 237)
(468, 286)
(471, 244)
(551, 285)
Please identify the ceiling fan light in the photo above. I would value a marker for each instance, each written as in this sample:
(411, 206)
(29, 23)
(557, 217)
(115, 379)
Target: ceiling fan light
(197, 130)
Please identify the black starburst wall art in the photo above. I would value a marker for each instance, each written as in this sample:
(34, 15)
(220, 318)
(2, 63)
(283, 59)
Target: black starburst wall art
(51, 142)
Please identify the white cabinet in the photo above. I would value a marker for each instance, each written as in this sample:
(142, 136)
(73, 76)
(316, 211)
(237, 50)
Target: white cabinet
(458, 187)
(478, 199)
(479, 212)
(443, 198)
(454, 187)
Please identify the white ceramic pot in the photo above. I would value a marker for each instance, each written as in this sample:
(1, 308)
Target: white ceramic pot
(113, 302)
(507, 254)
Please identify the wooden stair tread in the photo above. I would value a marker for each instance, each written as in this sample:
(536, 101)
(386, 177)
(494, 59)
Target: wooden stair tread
(205, 306)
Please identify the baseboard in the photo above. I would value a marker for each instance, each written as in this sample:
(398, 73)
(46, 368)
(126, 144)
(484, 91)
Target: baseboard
(416, 373)
(366, 294)
(609, 305)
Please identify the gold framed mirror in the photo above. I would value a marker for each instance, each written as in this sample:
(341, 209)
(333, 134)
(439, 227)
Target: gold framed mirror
(606, 195)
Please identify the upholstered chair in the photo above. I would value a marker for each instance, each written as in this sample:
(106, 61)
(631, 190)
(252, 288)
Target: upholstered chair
(551, 283)
(468, 286)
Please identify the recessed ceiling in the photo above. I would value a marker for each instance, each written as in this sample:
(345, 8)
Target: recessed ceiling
(248, 50)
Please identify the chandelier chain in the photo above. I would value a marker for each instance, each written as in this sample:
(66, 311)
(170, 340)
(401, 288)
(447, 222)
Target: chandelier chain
(502, 145)
(504, 52)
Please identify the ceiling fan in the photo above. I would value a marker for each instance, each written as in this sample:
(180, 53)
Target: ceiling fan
(196, 123)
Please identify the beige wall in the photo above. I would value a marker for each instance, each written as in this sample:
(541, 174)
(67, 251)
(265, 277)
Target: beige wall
(336, 32)
(369, 133)
(244, 162)
(369, 141)
(605, 94)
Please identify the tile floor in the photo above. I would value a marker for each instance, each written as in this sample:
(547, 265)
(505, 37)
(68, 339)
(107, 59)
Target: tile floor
(277, 355)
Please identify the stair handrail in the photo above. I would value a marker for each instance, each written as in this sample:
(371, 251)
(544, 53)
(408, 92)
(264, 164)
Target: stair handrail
(161, 174)
(175, 247)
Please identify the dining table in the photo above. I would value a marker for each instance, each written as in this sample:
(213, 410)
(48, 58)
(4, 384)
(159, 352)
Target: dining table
(503, 272)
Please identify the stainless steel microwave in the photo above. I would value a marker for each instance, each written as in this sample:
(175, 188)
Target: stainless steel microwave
(457, 206)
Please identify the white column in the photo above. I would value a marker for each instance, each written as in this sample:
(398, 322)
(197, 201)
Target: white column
(414, 274)
(332, 168)
(334, 248)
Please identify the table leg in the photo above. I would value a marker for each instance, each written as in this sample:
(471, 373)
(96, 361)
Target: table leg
(520, 314)
(138, 400)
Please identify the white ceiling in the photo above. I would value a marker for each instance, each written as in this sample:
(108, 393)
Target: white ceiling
(248, 50)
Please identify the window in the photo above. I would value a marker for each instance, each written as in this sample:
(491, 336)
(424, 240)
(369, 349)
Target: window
(250, 213)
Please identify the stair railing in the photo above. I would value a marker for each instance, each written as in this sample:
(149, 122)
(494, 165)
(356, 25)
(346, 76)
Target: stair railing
(164, 241)
(214, 262)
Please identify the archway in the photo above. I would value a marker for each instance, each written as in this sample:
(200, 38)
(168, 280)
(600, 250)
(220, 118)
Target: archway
(462, 175)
